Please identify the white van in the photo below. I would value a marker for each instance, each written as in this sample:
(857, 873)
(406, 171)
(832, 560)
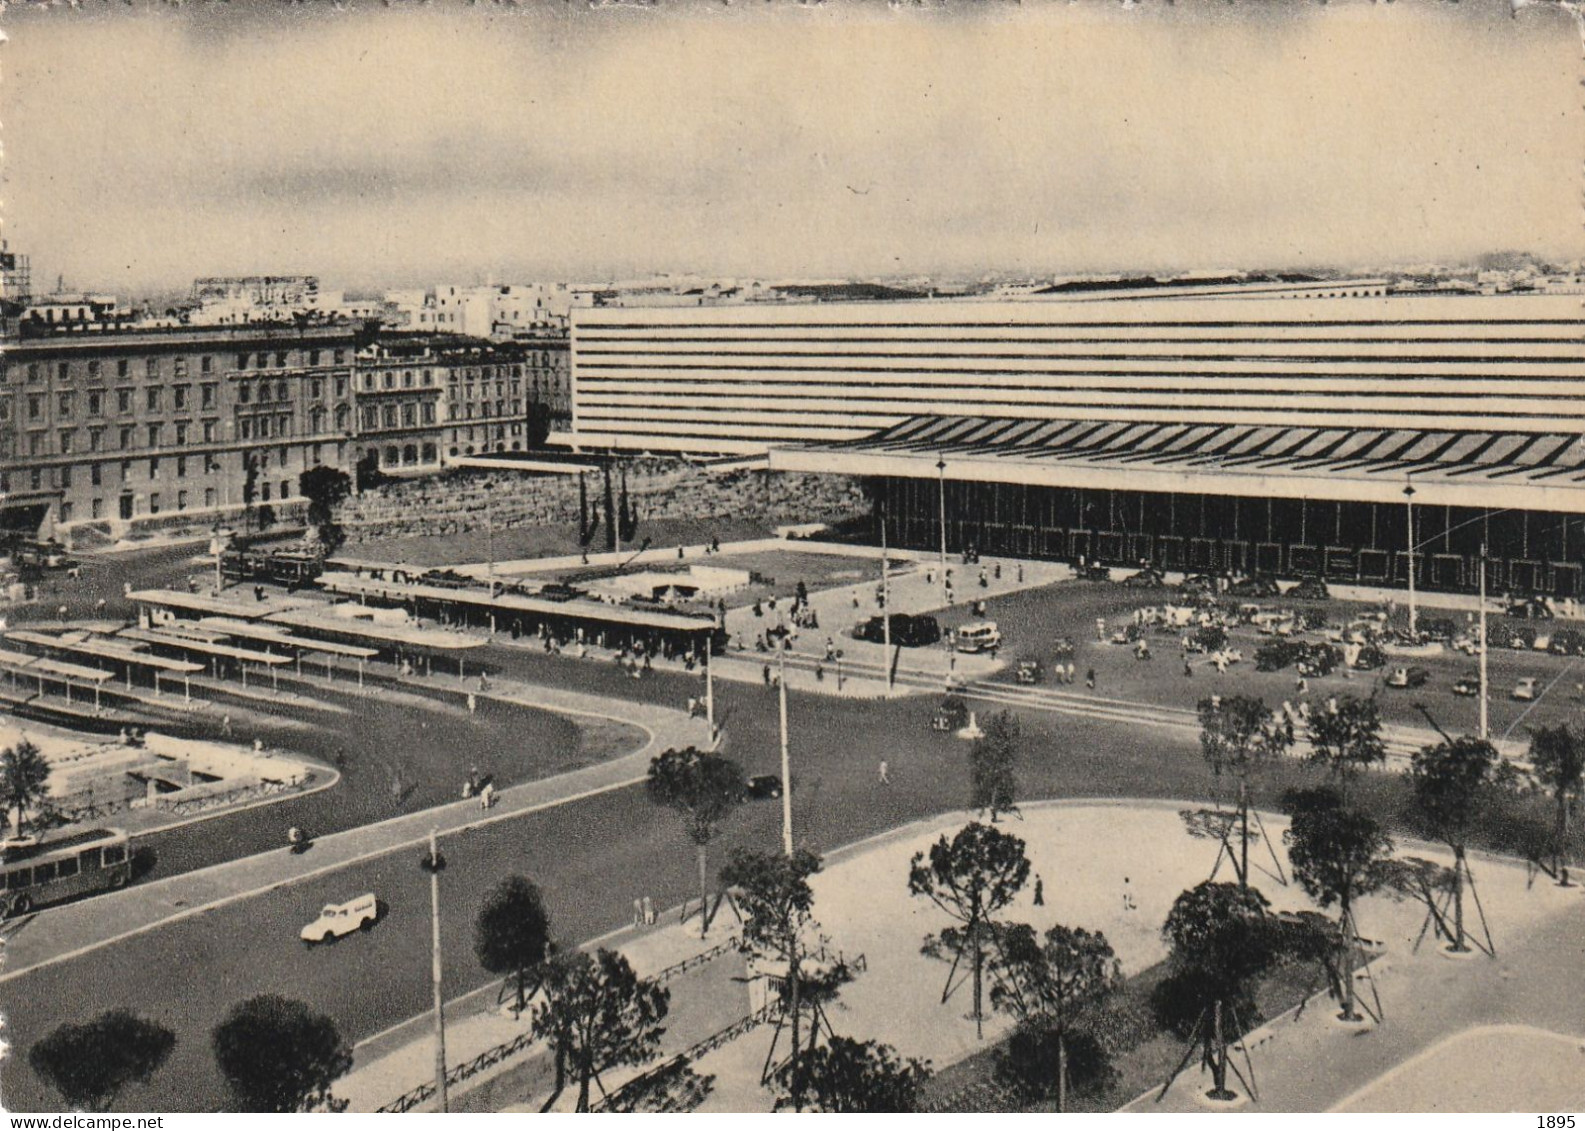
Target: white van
(981, 636)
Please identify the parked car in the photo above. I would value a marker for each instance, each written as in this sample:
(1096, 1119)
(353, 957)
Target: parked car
(1467, 685)
(1093, 572)
(908, 631)
(1030, 672)
(762, 787)
(1408, 677)
(1533, 607)
(1256, 586)
(1525, 689)
(1310, 589)
(337, 919)
(1199, 583)
(1147, 578)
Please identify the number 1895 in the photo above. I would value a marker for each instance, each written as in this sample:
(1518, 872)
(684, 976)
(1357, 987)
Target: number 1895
(1555, 1122)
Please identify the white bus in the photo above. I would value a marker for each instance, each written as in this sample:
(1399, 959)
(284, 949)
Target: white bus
(36, 873)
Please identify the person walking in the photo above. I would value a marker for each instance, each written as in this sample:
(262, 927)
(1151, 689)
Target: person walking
(1040, 892)
(884, 778)
(649, 912)
(1128, 896)
(1089, 679)
(473, 704)
(487, 795)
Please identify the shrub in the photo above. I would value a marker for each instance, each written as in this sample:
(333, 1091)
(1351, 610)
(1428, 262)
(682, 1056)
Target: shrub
(1027, 1063)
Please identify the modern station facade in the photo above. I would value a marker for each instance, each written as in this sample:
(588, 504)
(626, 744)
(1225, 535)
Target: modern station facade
(1295, 430)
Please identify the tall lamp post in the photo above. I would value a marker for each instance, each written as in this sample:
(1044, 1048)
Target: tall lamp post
(941, 474)
(886, 599)
(434, 864)
(1408, 499)
(1485, 727)
(786, 762)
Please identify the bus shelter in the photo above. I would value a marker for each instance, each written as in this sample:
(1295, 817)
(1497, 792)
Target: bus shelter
(403, 643)
(215, 653)
(296, 646)
(83, 645)
(58, 671)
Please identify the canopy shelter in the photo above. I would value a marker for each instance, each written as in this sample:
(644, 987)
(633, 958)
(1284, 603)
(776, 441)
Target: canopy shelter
(521, 612)
(272, 636)
(203, 604)
(23, 663)
(93, 646)
(213, 651)
(401, 641)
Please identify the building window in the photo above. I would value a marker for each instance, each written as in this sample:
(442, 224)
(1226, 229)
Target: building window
(342, 412)
(429, 453)
(371, 416)
(33, 373)
(368, 382)
(35, 406)
(181, 500)
(66, 477)
(286, 488)
(209, 496)
(154, 467)
(36, 478)
(390, 379)
(313, 357)
(242, 361)
(97, 508)
(154, 502)
(245, 428)
(391, 457)
(96, 474)
(179, 397)
(265, 493)
(388, 414)
(96, 404)
(280, 359)
(283, 391)
(410, 454)
(181, 432)
(126, 437)
(206, 364)
(429, 412)
(96, 439)
(313, 455)
(93, 369)
(181, 467)
(151, 367)
(316, 388)
(179, 366)
(66, 511)
(123, 400)
(64, 404)
(341, 386)
(66, 442)
(244, 393)
(207, 396)
(209, 431)
(341, 356)
(264, 392)
(122, 367)
(409, 414)
(63, 372)
(153, 396)
(154, 435)
(283, 425)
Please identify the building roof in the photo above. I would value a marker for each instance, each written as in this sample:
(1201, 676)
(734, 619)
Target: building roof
(1469, 468)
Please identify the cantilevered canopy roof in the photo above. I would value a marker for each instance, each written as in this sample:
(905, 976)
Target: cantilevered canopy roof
(1544, 471)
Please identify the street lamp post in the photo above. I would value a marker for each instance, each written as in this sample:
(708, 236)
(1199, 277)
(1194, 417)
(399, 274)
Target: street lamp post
(1408, 499)
(1485, 728)
(941, 473)
(786, 765)
(709, 691)
(434, 864)
(886, 601)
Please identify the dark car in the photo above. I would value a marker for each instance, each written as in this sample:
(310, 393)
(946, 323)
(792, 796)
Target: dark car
(1310, 589)
(1467, 685)
(1199, 583)
(1533, 608)
(1093, 572)
(762, 787)
(907, 631)
(1257, 586)
(1408, 677)
(1147, 578)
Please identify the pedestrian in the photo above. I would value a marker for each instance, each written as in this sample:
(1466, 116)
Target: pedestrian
(1100, 628)
(1020, 573)
(1040, 892)
(99, 606)
(649, 912)
(1089, 679)
(1072, 676)
(638, 912)
(998, 571)
(225, 724)
(1128, 896)
(61, 612)
(820, 673)
(884, 779)
(1188, 672)
(487, 795)
(258, 745)
(765, 672)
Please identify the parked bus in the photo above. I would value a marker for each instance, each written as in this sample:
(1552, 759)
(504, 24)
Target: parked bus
(36, 873)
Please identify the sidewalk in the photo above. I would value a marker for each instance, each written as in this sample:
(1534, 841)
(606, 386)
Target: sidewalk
(76, 928)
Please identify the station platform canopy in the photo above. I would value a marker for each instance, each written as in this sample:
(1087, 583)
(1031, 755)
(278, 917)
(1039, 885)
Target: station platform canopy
(1534, 470)
(102, 648)
(212, 606)
(203, 647)
(595, 612)
(405, 636)
(268, 634)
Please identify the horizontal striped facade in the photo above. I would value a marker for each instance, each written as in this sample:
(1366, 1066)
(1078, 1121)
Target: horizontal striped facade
(747, 378)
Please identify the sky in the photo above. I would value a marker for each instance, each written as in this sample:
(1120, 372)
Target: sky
(405, 144)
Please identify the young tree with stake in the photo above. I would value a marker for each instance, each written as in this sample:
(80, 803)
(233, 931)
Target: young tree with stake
(993, 763)
(1347, 741)
(971, 877)
(511, 935)
(1238, 736)
(1557, 757)
(24, 777)
(1047, 986)
(1338, 855)
(704, 788)
(600, 1014)
(1448, 781)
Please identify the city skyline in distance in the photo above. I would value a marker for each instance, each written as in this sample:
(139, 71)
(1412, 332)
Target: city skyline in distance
(389, 147)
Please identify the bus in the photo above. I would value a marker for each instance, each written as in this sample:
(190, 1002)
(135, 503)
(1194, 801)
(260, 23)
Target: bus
(36, 873)
(278, 567)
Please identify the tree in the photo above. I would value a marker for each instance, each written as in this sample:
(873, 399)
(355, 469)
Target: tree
(1238, 736)
(512, 933)
(971, 877)
(704, 788)
(600, 1014)
(89, 1064)
(846, 1075)
(367, 470)
(1024, 1063)
(1347, 740)
(1048, 986)
(1222, 943)
(277, 1055)
(1448, 781)
(777, 905)
(24, 778)
(250, 485)
(1338, 854)
(992, 763)
(1557, 757)
(325, 488)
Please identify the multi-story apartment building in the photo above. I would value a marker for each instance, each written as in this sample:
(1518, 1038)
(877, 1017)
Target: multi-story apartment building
(400, 387)
(486, 408)
(119, 425)
(547, 367)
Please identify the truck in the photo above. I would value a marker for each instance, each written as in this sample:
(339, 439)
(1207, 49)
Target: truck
(337, 919)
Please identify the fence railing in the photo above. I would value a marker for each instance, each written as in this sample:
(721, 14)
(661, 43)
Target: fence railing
(489, 1058)
(694, 1052)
